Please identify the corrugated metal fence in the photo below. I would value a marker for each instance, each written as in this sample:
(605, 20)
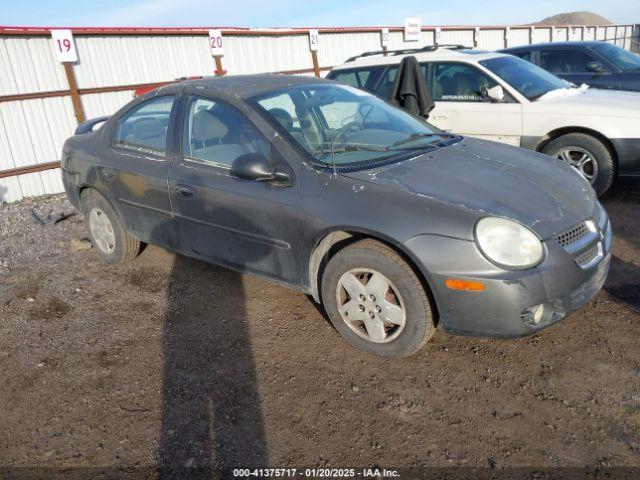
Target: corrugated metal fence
(37, 111)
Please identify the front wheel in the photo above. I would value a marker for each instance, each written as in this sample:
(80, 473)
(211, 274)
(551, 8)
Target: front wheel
(376, 301)
(588, 156)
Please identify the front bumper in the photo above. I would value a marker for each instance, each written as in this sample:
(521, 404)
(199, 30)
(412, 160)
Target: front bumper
(569, 276)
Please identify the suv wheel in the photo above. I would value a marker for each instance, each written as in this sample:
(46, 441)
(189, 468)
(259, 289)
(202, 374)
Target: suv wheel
(376, 301)
(588, 155)
(113, 243)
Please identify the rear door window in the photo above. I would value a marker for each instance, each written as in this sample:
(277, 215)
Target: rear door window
(145, 126)
(365, 78)
(562, 62)
(523, 55)
(385, 85)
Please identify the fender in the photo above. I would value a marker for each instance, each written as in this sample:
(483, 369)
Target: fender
(328, 238)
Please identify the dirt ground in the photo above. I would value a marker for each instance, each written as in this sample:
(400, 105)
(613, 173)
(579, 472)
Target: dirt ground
(171, 362)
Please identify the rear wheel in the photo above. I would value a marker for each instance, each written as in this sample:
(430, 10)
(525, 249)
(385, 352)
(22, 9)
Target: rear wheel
(588, 156)
(376, 301)
(113, 243)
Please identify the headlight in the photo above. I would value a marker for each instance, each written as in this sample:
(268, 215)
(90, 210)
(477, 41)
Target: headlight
(508, 243)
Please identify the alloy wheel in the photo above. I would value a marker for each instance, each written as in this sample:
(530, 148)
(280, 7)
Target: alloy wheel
(581, 160)
(371, 305)
(102, 231)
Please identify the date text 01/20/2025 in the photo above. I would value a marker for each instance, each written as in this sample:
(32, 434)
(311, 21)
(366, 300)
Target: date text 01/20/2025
(315, 472)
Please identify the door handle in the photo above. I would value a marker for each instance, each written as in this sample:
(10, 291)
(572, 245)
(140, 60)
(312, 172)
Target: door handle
(109, 174)
(183, 191)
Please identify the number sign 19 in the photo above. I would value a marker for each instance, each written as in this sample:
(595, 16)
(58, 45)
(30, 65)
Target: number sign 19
(64, 45)
(215, 42)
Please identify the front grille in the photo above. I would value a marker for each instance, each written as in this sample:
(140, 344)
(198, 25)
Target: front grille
(587, 256)
(588, 241)
(572, 235)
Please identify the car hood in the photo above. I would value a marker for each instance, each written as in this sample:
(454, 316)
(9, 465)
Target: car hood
(592, 101)
(490, 178)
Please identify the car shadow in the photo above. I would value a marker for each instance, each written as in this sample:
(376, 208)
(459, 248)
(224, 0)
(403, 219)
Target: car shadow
(623, 205)
(211, 409)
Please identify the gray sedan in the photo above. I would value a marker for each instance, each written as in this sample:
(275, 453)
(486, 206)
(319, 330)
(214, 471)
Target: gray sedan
(394, 226)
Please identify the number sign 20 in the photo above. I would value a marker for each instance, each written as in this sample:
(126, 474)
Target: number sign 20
(215, 43)
(64, 45)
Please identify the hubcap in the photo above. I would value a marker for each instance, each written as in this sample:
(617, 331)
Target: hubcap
(580, 160)
(102, 231)
(371, 305)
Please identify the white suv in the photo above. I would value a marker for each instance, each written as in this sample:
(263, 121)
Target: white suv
(504, 98)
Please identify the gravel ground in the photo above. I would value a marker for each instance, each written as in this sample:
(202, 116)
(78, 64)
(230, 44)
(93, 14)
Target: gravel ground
(170, 362)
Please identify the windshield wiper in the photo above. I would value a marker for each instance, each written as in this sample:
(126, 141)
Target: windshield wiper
(369, 147)
(416, 136)
(350, 147)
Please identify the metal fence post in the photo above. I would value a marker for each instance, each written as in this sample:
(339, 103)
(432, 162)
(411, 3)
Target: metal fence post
(75, 94)
(219, 70)
(314, 45)
(384, 40)
(65, 46)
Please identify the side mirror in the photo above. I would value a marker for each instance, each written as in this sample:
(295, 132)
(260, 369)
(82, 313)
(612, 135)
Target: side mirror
(255, 166)
(596, 67)
(495, 94)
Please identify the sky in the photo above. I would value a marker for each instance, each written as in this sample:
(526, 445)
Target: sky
(298, 13)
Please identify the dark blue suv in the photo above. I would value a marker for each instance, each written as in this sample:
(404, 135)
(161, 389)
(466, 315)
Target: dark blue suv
(598, 64)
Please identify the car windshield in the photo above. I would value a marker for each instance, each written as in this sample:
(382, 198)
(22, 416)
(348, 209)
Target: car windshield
(527, 78)
(346, 125)
(623, 59)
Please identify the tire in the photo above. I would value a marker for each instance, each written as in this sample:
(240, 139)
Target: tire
(361, 261)
(122, 246)
(601, 156)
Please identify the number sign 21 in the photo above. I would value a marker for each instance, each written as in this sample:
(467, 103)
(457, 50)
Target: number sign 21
(314, 40)
(64, 45)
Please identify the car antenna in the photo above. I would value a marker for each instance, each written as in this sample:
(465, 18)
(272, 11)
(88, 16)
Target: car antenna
(333, 157)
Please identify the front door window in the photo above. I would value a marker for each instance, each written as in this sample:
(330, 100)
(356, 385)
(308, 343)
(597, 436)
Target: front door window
(457, 82)
(216, 134)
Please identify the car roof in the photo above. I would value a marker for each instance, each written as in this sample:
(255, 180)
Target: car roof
(588, 43)
(243, 86)
(439, 54)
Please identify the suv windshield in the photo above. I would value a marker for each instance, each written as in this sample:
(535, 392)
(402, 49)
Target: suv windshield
(527, 78)
(623, 59)
(338, 122)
